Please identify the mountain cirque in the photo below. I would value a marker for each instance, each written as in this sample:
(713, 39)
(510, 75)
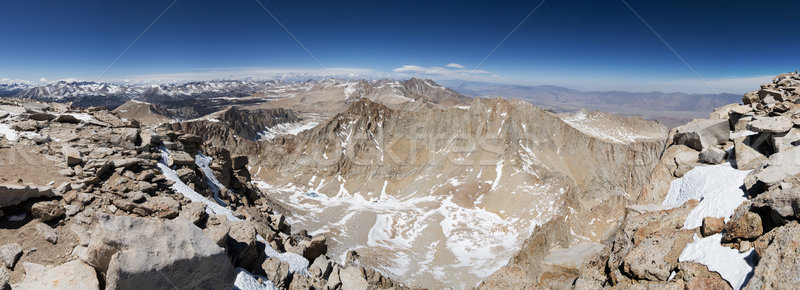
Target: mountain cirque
(385, 184)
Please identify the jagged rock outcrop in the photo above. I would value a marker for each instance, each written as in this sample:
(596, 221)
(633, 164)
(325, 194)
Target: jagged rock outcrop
(759, 138)
(142, 207)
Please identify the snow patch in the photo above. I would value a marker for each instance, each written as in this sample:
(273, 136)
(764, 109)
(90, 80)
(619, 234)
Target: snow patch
(10, 134)
(284, 129)
(717, 187)
(203, 162)
(247, 281)
(734, 267)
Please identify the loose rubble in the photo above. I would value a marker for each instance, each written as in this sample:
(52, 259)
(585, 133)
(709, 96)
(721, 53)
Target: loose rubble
(110, 201)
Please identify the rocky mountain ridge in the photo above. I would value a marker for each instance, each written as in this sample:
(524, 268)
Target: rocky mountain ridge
(93, 194)
(718, 210)
(388, 181)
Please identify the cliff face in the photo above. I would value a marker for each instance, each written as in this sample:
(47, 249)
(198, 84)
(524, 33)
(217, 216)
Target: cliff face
(436, 179)
(235, 128)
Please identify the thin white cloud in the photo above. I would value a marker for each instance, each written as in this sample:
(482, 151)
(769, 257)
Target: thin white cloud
(437, 70)
(455, 65)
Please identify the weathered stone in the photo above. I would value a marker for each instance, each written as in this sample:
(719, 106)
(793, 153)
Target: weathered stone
(65, 118)
(654, 257)
(139, 254)
(10, 254)
(637, 228)
(700, 134)
(180, 158)
(764, 93)
(712, 225)
(321, 267)
(46, 232)
(69, 276)
(779, 124)
(780, 166)
(315, 247)
(162, 206)
(744, 246)
(747, 158)
(712, 155)
(150, 137)
(47, 210)
(686, 161)
(195, 213)
(242, 245)
(145, 186)
(352, 277)
(779, 259)
(124, 204)
(698, 277)
(751, 98)
(784, 202)
(786, 141)
(278, 223)
(741, 123)
(12, 194)
(72, 156)
(744, 224)
(128, 162)
(277, 271)
(217, 229)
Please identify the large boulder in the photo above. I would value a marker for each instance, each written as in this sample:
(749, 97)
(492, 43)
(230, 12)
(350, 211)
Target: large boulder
(747, 157)
(686, 161)
(783, 201)
(654, 257)
(779, 124)
(277, 271)
(12, 194)
(703, 133)
(697, 276)
(786, 141)
(712, 225)
(9, 255)
(712, 155)
(352, 277)
(180, 159)
(72, 156)
(779, 259)
(69, 276)
(47, 210)
(243, 247)
(148, 253)
(780, 166)
(743, 225)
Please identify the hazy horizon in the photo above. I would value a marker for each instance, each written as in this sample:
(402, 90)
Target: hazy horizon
(637, 46)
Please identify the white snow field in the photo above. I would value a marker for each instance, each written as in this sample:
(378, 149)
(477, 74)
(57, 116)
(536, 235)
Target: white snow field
(718, 188)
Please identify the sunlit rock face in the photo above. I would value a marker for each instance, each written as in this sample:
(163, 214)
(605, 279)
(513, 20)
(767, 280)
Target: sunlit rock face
(445, 196)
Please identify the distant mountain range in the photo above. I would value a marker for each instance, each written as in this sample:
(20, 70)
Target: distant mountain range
(670, 108)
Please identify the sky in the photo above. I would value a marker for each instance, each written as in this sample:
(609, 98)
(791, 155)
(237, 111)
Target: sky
(694, 46)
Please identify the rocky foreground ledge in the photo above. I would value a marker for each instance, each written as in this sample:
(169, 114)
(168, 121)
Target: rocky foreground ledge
(89, 200)
(722, 208)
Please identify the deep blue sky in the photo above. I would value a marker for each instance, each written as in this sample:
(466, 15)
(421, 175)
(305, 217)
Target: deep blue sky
(582, 44)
